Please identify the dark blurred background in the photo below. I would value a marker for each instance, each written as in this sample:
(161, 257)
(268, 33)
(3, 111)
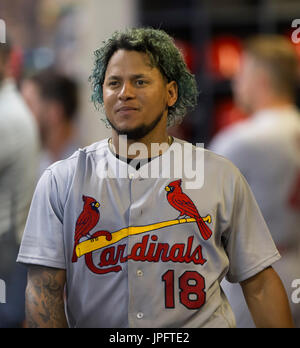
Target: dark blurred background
(210, 33)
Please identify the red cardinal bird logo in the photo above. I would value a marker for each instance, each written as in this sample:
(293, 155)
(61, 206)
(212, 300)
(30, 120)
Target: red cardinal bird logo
(181, 202)
(87, 220)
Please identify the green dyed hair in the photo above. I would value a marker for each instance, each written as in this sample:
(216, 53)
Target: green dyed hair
(163, 54)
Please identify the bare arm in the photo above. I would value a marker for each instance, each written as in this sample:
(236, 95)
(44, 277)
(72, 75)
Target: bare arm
(267, 300)
(45, 297)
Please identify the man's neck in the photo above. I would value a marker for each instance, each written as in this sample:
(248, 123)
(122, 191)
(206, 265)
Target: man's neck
(56, 140)
(146, 147)
(273, 103)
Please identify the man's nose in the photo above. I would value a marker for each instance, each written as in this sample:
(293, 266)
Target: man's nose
(127, 91)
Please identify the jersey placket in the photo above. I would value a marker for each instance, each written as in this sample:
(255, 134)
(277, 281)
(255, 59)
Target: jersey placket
(136, 270)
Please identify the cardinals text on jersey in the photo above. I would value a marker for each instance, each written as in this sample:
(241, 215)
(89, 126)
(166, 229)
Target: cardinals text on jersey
(149, 249)
(152, 251)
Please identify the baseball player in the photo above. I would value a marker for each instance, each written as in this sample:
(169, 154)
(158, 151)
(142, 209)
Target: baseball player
(266, 148)
(133, 249)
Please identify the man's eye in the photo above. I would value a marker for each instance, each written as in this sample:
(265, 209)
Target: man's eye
(113, 83)
(140, 82)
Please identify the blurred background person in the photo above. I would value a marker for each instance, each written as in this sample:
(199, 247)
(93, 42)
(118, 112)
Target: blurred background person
(266, 148)
(18, 151)
(53, 100)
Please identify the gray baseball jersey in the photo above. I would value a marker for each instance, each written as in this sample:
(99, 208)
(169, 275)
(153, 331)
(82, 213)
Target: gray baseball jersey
(146, 252)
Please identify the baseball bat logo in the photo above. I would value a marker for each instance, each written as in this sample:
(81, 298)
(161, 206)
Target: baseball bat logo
(149, 249)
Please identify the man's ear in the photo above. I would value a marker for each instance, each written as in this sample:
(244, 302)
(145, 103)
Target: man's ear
(172, 93)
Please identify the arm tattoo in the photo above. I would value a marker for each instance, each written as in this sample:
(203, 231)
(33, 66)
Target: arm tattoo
(45, 297)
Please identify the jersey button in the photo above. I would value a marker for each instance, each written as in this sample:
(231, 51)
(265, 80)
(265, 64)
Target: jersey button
(140, 315)
(139, 273)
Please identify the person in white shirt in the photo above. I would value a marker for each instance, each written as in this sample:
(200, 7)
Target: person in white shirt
(18, 152)
(266, 149)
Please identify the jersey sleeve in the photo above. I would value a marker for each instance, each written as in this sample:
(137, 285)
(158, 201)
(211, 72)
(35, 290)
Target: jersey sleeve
(248, 242)
(43, 242)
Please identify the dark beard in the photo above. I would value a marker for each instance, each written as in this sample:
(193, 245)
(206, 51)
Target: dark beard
(139, 132)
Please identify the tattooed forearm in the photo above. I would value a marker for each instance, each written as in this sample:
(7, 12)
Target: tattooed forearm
(44, 297)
